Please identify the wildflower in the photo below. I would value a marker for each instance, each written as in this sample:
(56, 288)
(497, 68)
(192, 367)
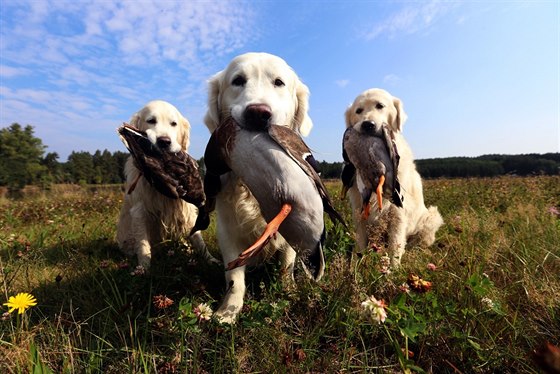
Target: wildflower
(123, 265)
(104, 264)
(431, 266)
(554, 211)
(21, 302)
(139, 270)
(418, 284)
(384, 263)
(487, 302)
(375, 309)
(162, 302)
(5, 316)
(203, 312)
(404, 288)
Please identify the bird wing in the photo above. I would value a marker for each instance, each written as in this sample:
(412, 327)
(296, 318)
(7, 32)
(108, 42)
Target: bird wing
(215, 156)
(295, 147)
(149, 160)
(348, 175)
(389, 138)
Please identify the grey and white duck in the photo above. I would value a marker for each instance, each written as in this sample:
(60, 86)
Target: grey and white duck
(279, 169)
(371, 160)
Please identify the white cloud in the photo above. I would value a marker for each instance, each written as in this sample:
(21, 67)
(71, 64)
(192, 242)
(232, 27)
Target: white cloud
(413, 18)
(342, 82)
(10, 71)
(392, 79)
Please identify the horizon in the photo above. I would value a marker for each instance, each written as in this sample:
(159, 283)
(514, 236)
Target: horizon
(473, 82)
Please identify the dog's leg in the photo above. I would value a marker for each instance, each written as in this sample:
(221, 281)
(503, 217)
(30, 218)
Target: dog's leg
(287, 262)
(397, 235)
(201, 249)
(235, 292)
(359, 224)
(140, 230)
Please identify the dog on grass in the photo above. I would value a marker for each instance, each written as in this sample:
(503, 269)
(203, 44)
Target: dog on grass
(252, 85)
(413, 223)
(147, 217)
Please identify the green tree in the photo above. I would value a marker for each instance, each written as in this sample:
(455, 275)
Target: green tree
(80, 167)
(20, 157)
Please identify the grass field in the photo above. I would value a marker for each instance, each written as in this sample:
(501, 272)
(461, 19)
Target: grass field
(494, 295)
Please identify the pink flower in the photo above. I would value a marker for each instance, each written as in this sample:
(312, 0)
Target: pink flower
(404, 288)
(554, 211)
(431, 266)
(162, 302)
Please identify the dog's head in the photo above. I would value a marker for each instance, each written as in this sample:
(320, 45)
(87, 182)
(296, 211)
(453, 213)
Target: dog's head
(373, 108)
(164, 125)
(258, 89)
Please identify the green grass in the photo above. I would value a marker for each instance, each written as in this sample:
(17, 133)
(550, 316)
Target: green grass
(494, 294)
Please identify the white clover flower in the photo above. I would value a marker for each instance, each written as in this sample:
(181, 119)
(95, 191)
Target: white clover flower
(385, 261)
(487, 302)
(139, 270)
(375, 309)
(203, 312)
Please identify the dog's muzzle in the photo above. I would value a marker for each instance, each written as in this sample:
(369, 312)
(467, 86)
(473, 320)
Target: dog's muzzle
(257, 116)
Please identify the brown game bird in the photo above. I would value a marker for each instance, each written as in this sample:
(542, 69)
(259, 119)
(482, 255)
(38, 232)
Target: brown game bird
(173, 174)
(371, 160)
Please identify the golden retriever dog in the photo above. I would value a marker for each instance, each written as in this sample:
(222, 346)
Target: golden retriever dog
(413, 222)
(148, 217)
(252, 85)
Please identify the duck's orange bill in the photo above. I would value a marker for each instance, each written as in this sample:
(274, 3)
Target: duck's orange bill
(270, 230)
(379, 192)
(365, 211)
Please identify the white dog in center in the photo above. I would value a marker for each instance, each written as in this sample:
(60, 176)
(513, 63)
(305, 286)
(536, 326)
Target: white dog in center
(253, 84)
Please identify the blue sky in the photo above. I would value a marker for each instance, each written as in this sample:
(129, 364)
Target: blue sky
(475, 77)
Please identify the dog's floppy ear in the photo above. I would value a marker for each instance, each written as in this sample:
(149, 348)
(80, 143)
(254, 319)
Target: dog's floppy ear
(135, 120)
(348, 116)
(212, 117)
(184, 135)
(302, 120)
(401, 115)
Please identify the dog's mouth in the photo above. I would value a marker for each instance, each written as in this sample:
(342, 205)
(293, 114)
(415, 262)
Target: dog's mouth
(254, 117)
(370, 127)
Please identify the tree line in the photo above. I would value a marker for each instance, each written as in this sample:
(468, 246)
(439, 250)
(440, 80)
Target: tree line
(23, 162)
(490, 165)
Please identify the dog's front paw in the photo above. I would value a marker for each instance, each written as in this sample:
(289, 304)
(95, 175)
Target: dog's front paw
(227, 314)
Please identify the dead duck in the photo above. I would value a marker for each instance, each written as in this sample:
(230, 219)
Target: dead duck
(173, 174)
(371, 160)
(278, 168)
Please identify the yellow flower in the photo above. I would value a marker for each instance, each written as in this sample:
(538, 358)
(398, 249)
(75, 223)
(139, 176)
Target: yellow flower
(20, 302)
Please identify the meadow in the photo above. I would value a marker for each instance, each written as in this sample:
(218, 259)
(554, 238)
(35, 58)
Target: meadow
(494, 296)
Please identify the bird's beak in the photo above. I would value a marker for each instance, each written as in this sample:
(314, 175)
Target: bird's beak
(379, 192)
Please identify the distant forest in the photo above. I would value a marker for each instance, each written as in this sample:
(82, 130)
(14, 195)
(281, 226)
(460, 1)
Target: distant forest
(23, 162)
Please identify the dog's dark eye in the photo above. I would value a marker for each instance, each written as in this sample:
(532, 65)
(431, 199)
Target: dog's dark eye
(359, 110)
(278, 82)
(379, 106)
(173, 123)
(152, 121)
(239, 81)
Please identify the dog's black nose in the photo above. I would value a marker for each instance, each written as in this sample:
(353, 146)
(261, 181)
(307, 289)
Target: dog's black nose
(163, 142)
(257, 116)
(368, 126)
